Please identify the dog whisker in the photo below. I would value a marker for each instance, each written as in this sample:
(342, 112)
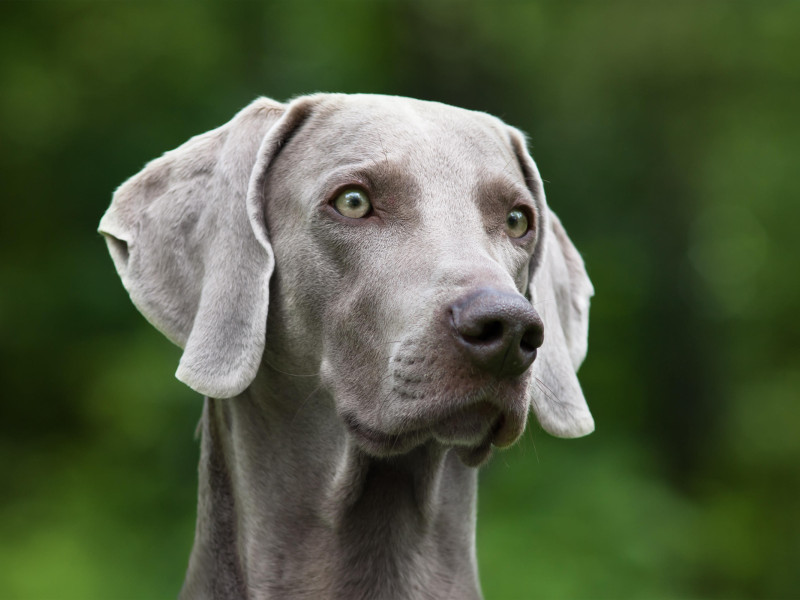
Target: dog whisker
(533, 443)
(548, 391)
(274, 368)
(303, 403)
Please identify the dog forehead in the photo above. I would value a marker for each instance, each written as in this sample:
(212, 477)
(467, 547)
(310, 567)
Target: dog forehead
(350, 128)
(366, 108)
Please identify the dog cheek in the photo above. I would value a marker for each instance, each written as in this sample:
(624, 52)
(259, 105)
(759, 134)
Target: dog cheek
(352, 362)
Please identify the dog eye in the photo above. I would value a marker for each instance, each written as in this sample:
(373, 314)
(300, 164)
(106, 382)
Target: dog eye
(516, 224)
(352, 203)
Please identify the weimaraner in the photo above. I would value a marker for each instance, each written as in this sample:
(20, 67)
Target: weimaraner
(360, 285)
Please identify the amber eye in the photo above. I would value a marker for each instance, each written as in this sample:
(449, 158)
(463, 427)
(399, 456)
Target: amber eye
(353, 203)
(516, 224)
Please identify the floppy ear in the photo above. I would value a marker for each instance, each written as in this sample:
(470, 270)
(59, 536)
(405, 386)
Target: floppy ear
(559, 289)
(189, 241)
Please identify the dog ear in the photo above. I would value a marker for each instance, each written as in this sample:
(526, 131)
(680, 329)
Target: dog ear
(559, 289)
(189, 240)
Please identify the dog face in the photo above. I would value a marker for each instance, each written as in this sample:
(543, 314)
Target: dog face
(407, 253)
(373, 286)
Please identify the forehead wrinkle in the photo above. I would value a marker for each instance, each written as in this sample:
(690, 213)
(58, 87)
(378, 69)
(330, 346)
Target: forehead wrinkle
(459, 194)
(447, 205)
(467, 185)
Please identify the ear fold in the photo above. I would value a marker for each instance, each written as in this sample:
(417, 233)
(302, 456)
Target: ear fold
(560, 292)
(188, 239)
(560, 289)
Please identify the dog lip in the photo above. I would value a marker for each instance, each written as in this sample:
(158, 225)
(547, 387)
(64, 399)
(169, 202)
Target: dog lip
(379, 442)
(475, 456)
(470, 428)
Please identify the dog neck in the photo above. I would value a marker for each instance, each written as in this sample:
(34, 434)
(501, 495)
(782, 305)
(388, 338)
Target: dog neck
(290, 507)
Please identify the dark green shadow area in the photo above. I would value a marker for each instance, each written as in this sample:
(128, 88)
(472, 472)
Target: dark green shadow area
(668, 135)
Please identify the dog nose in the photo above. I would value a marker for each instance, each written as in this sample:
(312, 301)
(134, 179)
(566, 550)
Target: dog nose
(499, 331)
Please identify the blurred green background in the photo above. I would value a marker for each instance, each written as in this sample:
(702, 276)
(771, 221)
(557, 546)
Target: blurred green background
(668, 134)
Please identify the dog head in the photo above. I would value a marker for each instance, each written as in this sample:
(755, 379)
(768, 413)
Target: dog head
(406, 251)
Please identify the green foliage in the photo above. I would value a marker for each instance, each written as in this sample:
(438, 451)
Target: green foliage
(667, 134)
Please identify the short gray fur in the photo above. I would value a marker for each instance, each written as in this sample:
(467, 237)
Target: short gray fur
(338, 447)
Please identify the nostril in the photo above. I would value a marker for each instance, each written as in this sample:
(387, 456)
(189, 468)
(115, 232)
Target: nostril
(531, 339)
(485, 333)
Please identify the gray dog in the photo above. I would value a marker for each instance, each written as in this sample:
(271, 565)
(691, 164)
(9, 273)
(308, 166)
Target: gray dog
(360, 285)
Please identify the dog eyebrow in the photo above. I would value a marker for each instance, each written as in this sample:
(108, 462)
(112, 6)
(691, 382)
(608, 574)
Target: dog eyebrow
(496, 193)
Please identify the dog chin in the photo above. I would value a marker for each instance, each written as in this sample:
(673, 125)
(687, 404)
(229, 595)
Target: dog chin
(471, 432)
(475, 457)
(471, 426)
